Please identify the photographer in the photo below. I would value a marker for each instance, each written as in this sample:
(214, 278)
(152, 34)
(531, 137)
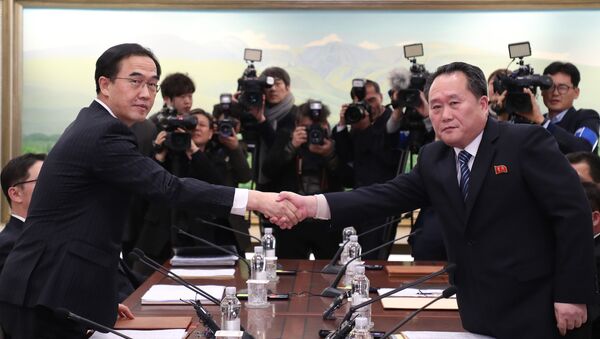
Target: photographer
(497, 109)
(371, 150)
(305, 161)
(278, 112)
(574, 130)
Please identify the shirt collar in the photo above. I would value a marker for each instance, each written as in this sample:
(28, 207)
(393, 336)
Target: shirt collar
(18, 217)
(557, 118)
(471, 147)
(106, 107)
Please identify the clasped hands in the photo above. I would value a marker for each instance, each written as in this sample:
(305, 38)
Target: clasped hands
(284, 209)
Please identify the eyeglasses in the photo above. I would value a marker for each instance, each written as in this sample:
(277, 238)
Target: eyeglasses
(562, 89)
(153, 87)
(24, 182)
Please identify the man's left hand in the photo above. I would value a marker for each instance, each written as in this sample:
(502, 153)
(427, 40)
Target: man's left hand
(569, 316)
(124, 312)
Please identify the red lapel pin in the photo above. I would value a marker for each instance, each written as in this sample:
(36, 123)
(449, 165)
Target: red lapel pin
(499, 169)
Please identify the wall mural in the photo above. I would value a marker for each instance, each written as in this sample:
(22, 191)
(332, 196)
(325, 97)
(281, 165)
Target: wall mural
(323, 50)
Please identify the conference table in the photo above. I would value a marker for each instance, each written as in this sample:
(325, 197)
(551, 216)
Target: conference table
(300, 316)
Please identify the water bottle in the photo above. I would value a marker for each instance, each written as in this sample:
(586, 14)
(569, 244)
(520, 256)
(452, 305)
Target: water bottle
(258, 264)
(360, 292)
(230, 310)
(361, 329)
(354, 249)
(268, 242)
(346, 233)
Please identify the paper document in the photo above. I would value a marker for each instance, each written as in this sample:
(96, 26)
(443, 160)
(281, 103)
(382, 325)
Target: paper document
(171, 294)
(156, 334)
(190, 273)
(221, 260)
(439, 335)
(414, 292)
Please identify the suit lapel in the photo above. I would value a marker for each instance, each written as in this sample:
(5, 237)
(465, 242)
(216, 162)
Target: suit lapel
(450, 183)
(481, 166)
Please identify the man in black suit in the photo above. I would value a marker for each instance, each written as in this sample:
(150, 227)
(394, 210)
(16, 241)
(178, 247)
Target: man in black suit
(68, 253)
(518, 230)
(574, 130)
(18, 179)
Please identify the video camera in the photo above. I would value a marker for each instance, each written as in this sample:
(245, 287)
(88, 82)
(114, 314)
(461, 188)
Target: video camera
(251, 87)
(316, 133)
(409, 85)
(356, 111)
(170, 121)
(524, 77)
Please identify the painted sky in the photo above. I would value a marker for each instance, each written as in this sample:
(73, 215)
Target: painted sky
(60, 48)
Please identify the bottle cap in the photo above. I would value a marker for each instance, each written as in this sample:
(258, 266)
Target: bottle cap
(354, 237)
(360, 269)
(258, 249)
(361, 322)
(229, 290)
(268, 230)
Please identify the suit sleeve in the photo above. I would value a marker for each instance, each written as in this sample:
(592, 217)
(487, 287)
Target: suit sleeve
(583, 139)
(117, 162)
(557, 190)
(402, 194)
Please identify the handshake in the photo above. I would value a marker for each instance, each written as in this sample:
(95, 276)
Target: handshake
(284, 209)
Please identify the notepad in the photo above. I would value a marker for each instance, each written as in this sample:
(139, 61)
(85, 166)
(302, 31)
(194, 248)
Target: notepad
(413, 298)
(221, 260)
(173, 294)
(153, 323)
(439, 335)
(191, 273)
(156, 334)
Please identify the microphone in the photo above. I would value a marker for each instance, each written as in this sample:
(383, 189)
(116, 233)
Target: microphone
(399, 78)
(343, 331)
(335, 304)
(447, 293)
(448, 269)
(332, 290)
(62, 313)
(204, 221)
(139, 254)
(332, 268)
(220, 248)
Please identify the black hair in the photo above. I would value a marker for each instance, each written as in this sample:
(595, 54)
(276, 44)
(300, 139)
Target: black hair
(591, 159)
(16, 170)
(304, 111)
(278, 73)
(176, 84)
(476, 82)
(593, 195)
(564, 67)
(109, 63)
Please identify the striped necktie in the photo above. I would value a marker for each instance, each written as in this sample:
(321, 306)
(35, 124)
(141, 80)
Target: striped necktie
(465, 173)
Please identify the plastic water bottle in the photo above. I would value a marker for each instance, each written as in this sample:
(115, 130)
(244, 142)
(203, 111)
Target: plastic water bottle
(258, 264)
(354, 249)
(360, 292)
(230, 310)
(268, 242)
(361, 329)
(346, 233)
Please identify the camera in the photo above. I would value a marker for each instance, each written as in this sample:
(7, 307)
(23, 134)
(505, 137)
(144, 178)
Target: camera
(170, 121)
(226, 126)
(250, 86)
(316, 133)
(356, 111)
(409, 85)
(523, 77)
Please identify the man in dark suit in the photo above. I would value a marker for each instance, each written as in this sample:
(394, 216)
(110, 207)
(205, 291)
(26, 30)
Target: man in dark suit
(68, 253)
(18, 179)
(574, 130)
(518, 230)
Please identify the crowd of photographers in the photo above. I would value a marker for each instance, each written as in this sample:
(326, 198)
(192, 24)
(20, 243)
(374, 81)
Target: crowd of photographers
(260, 135)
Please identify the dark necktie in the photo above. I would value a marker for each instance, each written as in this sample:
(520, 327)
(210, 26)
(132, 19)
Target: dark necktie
(465, 173)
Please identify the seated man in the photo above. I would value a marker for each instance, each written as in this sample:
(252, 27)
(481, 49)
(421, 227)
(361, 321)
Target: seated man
(18, 180)
(587, 166)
